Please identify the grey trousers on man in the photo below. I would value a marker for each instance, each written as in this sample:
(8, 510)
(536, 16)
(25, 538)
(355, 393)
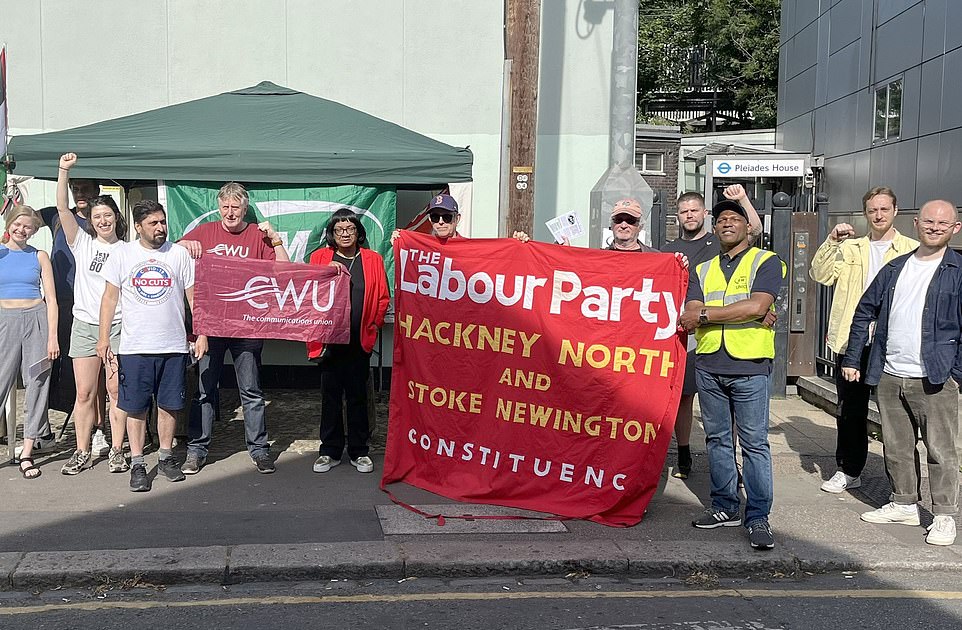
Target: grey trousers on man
(911, 405)
(23, 337)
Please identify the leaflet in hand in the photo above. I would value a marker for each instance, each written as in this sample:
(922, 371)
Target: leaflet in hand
(567, 225)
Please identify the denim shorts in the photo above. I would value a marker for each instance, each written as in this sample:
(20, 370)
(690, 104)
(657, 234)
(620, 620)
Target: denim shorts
(145, 376)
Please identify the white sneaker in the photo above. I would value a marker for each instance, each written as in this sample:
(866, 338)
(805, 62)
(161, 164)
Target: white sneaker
(363, 464)
(99, 446)
(840, 482)
(941, 531)
(893, 513)
(324, 463)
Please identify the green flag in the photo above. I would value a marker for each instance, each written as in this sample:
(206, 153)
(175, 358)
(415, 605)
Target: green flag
(298, 214)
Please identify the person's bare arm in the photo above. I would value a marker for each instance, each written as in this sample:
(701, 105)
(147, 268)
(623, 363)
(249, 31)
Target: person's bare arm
(50, 297)
(108, 307)
(67, 219)
(736, 193)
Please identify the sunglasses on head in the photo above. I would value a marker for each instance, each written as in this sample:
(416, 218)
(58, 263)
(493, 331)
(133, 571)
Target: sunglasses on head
(624, 218)
(441, 217)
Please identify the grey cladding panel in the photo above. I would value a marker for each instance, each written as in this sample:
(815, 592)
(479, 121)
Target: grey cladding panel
(864, 127)
(840, 122)
(952, 90)
(953, 24)
(933, 28)
(803, 50)
(898, 44)
(840, 173)
(800, 94)
(843, 71)
(806, 11)
(927, 170)
(846, 21)
(930, 102)
(911, 87)
(950, 165)
(787, 27)
(797, 134)
(888, 9)
(906, 159)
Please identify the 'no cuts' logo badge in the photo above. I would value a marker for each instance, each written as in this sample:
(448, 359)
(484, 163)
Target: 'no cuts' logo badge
(152, 282)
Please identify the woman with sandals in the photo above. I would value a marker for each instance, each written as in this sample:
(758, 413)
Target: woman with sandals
(28, 324)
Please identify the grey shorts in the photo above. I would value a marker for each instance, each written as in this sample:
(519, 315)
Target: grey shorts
(83, 339)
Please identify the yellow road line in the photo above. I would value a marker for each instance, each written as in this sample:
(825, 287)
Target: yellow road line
(292, 600)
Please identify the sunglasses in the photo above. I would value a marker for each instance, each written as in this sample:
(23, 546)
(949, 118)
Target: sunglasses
(624, 218)
(439, 217)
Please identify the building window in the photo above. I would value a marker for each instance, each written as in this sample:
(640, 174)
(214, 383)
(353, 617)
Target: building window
(888, 111)
(653, 163)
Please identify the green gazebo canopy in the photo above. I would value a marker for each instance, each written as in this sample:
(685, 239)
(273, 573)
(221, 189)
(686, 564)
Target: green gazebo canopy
(266, 133)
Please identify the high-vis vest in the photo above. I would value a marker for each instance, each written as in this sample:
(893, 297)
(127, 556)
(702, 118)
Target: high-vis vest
(749, 340)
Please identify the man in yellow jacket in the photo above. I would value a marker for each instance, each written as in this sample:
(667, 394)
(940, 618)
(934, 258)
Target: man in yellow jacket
(850, 264)
(728, 299)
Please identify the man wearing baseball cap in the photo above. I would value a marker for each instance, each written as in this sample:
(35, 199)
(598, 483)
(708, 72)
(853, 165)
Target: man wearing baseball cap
(625, 226)
(444, 216)
(728, 299)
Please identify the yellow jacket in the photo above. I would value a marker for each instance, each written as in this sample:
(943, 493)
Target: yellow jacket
(845, 266)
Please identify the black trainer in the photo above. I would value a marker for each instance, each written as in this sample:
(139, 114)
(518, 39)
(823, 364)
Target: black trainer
(712, 518)
(171, 469)
(760, 535)
(139, 481)
(264, 464)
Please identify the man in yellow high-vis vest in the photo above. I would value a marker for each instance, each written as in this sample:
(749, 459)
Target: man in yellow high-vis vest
(728, 299)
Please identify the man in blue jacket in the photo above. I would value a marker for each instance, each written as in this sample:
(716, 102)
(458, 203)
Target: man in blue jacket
(916, 364)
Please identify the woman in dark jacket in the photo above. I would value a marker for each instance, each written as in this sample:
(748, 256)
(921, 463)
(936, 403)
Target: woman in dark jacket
(345, 368)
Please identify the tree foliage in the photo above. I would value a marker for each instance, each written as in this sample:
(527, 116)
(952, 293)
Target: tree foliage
(740, 37)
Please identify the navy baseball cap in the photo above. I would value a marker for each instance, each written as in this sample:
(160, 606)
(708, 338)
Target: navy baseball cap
(727, 204)
(444, 202)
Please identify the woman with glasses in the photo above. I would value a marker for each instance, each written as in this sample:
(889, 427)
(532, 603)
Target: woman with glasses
(28, 324)
(345, 368)
(91, 246)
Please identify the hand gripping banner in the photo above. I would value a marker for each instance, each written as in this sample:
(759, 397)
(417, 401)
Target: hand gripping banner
(534, 376)
(259, 299)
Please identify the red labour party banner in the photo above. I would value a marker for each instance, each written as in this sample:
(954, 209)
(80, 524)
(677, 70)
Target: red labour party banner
(534, 376)
(261, 299)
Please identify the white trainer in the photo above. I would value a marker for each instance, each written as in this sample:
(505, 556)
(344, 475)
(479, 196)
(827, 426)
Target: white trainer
(941, 531)
(324, 463)
(893, 513)
(99, 447)
(840, 482)
(363, 464)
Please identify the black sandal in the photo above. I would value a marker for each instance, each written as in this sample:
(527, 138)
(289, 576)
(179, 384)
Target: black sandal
(24, 471)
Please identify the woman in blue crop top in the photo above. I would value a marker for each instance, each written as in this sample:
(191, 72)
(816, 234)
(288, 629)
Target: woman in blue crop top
(28, 325)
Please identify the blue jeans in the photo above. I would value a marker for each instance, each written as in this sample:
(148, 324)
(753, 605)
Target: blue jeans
(746, 397)
(246, 354)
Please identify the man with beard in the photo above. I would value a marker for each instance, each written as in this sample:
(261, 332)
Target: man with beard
(728, 300)
(915, 361)
(150, 278)
(850, 264)
(699, 245)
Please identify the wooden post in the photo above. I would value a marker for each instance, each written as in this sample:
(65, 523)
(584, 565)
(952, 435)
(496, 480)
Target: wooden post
(522, 40)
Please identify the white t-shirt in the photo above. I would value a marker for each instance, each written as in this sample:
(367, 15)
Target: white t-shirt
(152, 284)
(876, 258)
(903, 355)
(90, 255)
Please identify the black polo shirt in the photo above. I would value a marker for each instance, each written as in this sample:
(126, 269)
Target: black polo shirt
(768, 279)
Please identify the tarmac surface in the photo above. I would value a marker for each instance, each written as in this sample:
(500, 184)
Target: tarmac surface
(230, 525)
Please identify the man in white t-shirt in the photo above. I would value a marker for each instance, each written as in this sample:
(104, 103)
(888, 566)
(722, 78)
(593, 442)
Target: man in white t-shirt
(850, 264)
(150, 278)
(916, 362)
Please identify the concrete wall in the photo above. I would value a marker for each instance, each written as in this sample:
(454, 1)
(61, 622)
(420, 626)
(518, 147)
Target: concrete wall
(833, 55)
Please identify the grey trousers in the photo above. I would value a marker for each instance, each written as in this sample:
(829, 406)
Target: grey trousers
(23, 337)
(911, 405)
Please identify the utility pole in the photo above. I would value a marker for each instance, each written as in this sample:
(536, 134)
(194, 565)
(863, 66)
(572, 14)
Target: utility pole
(522, 39)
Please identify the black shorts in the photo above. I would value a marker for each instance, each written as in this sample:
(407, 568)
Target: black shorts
(689, 388)
(143, 376)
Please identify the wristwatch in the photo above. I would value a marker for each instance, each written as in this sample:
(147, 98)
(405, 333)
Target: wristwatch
(277, 242)
(703, 317)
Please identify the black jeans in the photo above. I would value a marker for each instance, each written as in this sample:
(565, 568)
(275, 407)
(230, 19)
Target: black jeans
(344, 376)
(851, 417)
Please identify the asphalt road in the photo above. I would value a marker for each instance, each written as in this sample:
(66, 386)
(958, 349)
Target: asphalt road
(573, 602)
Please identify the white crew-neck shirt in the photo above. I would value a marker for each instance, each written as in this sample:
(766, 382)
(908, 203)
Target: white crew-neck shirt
(152, 284)
(903, 356)
(90, 254)
(876, 258)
